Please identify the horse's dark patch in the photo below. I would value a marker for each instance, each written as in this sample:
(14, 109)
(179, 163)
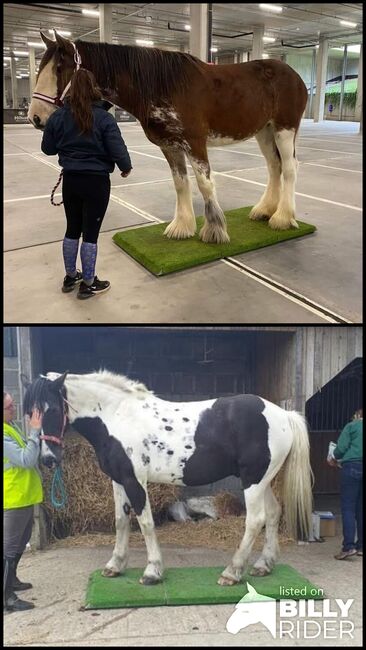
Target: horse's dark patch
(185, 419)
(170, 452)
(112, 458)
(100, 408)
(168, 428)
(145, 442)
(154, 442)
(164, 419)
(176, 409)
(227, 445)
(145, 459)
(126, 509)
(188, 447)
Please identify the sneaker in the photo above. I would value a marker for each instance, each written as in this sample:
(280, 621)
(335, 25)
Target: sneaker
(344, 555)
(70, 283)
(98, 286)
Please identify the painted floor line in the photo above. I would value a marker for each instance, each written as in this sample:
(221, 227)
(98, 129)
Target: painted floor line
(290, 294)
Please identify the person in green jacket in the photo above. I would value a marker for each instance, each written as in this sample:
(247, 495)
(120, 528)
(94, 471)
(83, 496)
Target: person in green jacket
(348, 454)
(22, 490)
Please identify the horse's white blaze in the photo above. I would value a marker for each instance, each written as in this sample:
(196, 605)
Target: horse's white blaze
(46, 85)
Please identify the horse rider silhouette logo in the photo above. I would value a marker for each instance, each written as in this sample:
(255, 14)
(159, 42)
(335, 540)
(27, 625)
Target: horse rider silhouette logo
(253, 608)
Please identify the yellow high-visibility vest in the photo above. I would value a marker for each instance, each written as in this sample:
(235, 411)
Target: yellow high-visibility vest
(22, 486)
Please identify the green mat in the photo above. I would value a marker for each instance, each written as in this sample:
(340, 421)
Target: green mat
(161, 255)
(191, 586)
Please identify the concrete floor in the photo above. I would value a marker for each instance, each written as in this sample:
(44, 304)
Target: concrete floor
(325, 267)
(59, 577)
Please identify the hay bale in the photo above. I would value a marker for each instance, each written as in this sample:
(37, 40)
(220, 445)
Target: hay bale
(90, 502)
(227, 504)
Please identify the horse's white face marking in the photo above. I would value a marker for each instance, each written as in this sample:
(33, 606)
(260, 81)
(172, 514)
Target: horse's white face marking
(46, 85)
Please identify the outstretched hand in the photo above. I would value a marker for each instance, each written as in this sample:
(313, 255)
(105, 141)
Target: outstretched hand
(35, 421)
(125, 174)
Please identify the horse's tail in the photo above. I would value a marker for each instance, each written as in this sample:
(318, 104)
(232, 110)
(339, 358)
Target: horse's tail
(298, 479)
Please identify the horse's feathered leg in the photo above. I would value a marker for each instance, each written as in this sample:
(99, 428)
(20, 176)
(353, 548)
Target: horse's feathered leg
(271, 550)
(154, 570)
(214, 228)
(184, 222)
(118, 562)
(255, 520)
(284, 217)
(268, 203)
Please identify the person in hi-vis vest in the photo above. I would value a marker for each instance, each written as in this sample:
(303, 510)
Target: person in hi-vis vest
(22, 490)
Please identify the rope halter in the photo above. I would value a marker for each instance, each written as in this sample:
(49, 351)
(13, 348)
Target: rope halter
(59, 101)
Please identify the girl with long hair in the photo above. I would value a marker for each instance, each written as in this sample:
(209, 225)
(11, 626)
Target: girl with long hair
(89, 143)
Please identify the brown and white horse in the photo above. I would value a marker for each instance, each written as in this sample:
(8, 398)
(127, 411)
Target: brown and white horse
(185, 105)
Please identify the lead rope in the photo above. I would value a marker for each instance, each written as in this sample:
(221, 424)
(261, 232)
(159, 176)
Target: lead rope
(58, 485)
(55, 188)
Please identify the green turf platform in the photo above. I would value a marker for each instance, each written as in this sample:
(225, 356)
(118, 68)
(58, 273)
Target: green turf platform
(161, 255)
(191, 586)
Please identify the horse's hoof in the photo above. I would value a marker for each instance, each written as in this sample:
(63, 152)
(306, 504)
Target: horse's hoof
(209, 236)
(177, 231)
(150, 580)
(259, 571)
(110, 573)
(227, 582)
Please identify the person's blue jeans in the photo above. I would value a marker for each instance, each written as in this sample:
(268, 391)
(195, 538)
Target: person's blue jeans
(351, 504)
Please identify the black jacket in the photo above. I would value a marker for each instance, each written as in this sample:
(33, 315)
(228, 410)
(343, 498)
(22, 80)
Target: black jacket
(95, 152)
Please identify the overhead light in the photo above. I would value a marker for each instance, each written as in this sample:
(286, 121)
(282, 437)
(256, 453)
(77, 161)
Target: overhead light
(35, 44)
(142, 42)
(214, 49)
(90, 12)
(275, 8)
(51, 31)
(347, 24)
(9, 58)
(187, 27)
(265, 56)
(269, 39)
(19, 53)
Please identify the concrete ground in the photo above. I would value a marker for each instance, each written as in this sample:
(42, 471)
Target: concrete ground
(324, 269)
(59, 577)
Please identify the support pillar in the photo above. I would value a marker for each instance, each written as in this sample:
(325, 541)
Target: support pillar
(198, 36)
(257, 48)
(14, 83)
(105, 30)
(321, 78)
(358, 107)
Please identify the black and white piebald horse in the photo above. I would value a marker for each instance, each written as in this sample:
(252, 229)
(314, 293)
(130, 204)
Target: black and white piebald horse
(138, 437)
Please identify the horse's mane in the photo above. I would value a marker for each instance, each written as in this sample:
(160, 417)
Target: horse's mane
(117, 381)
(155, 74)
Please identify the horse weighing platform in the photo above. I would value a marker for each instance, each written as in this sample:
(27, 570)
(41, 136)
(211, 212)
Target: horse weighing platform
(315, 279)
(60, 576)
